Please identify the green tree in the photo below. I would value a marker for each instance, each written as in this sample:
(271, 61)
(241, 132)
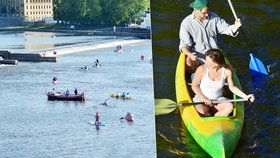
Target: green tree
(118, 12)
(90, 10)
(99, 12)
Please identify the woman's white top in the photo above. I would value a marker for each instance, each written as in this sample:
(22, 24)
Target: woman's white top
(212, 89)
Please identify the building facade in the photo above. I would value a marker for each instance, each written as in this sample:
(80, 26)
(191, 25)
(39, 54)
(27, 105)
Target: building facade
(30, 10)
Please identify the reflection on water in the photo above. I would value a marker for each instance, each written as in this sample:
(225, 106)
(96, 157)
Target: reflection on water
(260, 136)
(28, 46)
(32, 41)
(38, 40)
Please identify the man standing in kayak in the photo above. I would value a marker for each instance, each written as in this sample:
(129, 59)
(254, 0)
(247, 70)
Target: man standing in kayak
(198, 33)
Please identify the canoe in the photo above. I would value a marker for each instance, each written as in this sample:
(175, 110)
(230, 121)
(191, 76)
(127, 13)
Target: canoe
(120, 96)
(62, 96)
(218, 136)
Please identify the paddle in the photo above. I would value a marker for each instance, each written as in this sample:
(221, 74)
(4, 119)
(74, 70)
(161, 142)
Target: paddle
(165, 106)
(256, 66)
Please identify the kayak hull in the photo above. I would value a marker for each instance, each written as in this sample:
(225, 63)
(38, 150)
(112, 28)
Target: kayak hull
(218, 136)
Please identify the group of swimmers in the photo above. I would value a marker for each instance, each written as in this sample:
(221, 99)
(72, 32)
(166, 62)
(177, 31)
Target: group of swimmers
(96, 65)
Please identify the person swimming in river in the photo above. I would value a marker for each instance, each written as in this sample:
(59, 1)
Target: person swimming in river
(118, 49)
(142, 58)
(105, 102)
(97, 63)
(54, 80)
(84, 68)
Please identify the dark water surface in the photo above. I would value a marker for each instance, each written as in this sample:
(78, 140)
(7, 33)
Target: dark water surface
(260, 135)
(32, 126)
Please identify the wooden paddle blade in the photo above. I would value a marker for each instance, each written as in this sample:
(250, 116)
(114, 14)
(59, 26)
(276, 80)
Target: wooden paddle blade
(164, 106)
(257, 68)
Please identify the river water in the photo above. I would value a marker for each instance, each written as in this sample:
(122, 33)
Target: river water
(260, 135)
(32, 126)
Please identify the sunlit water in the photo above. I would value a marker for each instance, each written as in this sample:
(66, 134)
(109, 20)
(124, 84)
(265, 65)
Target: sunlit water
(260, 135)
(21, 42)
(32, 126)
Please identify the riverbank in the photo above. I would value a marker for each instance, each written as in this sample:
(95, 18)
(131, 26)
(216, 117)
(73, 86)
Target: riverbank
(110, 31)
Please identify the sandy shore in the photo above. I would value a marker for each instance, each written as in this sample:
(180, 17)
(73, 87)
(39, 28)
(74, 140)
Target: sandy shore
(59, 51)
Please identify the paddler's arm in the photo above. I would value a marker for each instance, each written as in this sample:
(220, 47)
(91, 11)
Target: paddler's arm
(188, 53)
(186, 40)
(235, 89)
(224, 28)
(195, 84)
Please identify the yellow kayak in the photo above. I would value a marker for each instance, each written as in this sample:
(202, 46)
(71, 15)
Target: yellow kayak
(120, 96)
(218, 136)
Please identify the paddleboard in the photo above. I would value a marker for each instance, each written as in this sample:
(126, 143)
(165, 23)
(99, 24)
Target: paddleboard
(97, 124)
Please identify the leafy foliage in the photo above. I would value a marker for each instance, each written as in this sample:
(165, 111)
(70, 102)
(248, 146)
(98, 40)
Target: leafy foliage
(98, 13)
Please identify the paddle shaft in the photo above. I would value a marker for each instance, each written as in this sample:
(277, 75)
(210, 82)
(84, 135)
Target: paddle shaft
(215, 102)
(258, 65)
(243, 33)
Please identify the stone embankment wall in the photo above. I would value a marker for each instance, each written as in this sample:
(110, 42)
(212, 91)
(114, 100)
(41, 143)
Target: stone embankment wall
(8, 56)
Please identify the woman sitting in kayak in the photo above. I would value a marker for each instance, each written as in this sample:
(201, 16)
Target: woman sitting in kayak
(129, 117)
(209, 79)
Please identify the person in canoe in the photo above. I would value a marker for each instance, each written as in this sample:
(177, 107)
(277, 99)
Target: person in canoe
(67, 93)
(128, 117)
(124, 94)
(53, 91)
(76, 91)
(118, 94)
(198, 33)
(209, 79)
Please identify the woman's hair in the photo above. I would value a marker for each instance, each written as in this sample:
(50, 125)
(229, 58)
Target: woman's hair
(218, 57)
